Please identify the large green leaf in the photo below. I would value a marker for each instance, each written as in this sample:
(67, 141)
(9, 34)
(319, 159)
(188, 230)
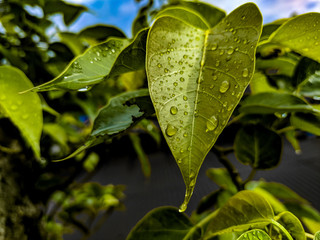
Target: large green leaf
(243, 211)
(255, 234)
(292, 225)
(164, 223)
(24, 110)
(301, 34)
(194, 85)
(258, 147)
(272, 102)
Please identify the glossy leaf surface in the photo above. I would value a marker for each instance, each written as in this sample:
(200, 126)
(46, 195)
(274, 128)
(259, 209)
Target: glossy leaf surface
(24, 110)
(254, 235)
(301, 34)
(194, 85)
(243, 211)
(271, 102)
(258, 147)
(164, 223)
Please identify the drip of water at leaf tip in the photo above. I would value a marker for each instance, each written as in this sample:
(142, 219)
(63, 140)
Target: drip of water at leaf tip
(183, 207)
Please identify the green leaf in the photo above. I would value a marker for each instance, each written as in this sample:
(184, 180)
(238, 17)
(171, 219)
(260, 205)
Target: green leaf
(278, 190)
(301, 35)
(292, 225)
(221, 177)
(187, 15)
(24, 110)
(254, 235)
(142, 156)
(97, 33)
(164, 223)
(279, 66)
(122, 112)
(306, 122)
(243, 211)
(215, 199)
(312, 225)
(258, 147)
(211, 14)
(317, 236)
(272, 102)
(303, 210)
(259, 83)
(307, 71)
(293, 140)
(194, 85)
(87, 69)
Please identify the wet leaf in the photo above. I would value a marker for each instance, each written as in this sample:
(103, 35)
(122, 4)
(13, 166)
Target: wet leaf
(258, 147)
(87, 69)
(164, 223)
(292, 225)
(194, 85)
(301, 34)
(272, 102)
(254, 235)
(243, 211)
(24, 110)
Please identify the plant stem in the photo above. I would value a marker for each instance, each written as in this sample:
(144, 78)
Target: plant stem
(286, 129)
(309, 235)
(282, 229)
(234, 174)
(250, 177)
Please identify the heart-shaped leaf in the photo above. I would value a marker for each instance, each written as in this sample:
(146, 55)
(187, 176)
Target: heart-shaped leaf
(196, 78)
(24, 110)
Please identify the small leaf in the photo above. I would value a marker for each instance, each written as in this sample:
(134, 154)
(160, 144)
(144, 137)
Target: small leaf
(185, 14)
(301, 35)
(272, 102)
(24, 110)
(87, 69)
(193, 84)
(306, 122)
(211, 14)
(293, 140)
(258, 147)
(255, 234)
(221, 177)
(164, 223)
(292, 225)
(243, 211)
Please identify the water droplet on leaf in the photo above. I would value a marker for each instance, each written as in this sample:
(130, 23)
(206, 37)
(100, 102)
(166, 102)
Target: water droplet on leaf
(173, 110)
(212, 123)
(171, 130)
(224, 86)
(245, 72)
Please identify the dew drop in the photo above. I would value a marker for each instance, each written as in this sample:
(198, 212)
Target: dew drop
(230, 50)
(192, 174)
(212, 123)
(159, 65)
(185, 56)
(181, 79)
(214, 47)
(185, 98)
(180, 62)
(84, 89)
(171, 130)
(185, 135)
(215, 78)
(175, 84)
(217, 63)
(183, 207)
(221, 52)
(243, 17)
(166, 70)
(185, 113)
(173, 110)
(224, 86)
(192, 183)
(245, 72)
(179, 161)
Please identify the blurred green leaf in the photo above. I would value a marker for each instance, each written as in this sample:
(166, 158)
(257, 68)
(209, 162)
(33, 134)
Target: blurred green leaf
(292, 225)
(24, 110)
(306, 72)
(258, 147)
(72, 41)
(272, 102)
(259, 83)
(306, 122)
(221, 177)
(91, 162)
(301, 35)
(254, 235)
(293, 140)
(142, 156)
(57, 133)
(164, 223)
(243, 211)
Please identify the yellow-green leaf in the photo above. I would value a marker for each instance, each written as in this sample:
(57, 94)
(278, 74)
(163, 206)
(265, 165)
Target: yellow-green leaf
(301, 34)
(196, 78)
(24, 110)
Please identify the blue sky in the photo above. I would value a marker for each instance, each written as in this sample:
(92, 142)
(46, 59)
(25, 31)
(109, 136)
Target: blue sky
(121, 13)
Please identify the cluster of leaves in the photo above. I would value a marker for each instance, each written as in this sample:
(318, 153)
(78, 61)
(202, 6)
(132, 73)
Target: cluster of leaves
(198, 63)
